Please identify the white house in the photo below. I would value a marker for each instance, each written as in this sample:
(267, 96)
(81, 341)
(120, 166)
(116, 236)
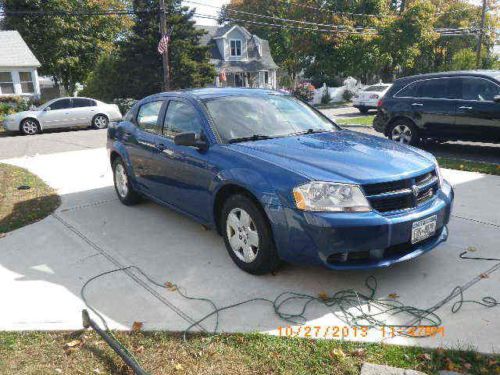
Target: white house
(240, 58)
(18, 67)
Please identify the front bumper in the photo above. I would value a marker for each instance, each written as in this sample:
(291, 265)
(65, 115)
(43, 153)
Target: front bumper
(364, 240)
(10, 125)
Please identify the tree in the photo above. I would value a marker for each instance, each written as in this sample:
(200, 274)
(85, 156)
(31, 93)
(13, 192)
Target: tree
(67, 44)
(134, 70)
(464, 59)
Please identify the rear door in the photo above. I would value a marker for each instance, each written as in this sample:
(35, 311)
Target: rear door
(478, 115)
(139, 141)
(57, 114)
(434, 105)
(83, 111)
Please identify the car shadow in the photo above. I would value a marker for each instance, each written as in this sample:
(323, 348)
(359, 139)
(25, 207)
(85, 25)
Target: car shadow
(4, 133)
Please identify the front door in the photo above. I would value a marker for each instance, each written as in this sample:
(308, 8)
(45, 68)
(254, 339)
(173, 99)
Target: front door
(478, 115)
(183, 171)
(57, 114)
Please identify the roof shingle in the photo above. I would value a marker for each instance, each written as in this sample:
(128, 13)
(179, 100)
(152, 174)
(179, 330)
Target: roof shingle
(14, 52)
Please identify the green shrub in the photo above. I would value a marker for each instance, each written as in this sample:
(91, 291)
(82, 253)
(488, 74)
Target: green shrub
(347, 95)
(124, 104)
(326, 98)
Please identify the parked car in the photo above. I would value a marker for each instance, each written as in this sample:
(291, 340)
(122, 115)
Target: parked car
(61, 113)
(369, 97)
(442, 106)
(280, 181)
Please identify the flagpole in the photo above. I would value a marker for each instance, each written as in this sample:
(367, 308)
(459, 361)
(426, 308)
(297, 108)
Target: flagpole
(163, 30)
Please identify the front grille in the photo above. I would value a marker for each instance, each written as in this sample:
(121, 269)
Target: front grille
(402, 194)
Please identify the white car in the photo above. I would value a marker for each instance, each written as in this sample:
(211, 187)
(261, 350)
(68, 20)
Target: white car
(369, 97)
(61, 113)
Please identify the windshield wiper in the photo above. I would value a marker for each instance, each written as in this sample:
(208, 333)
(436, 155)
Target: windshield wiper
(255, 137)
(312, 131)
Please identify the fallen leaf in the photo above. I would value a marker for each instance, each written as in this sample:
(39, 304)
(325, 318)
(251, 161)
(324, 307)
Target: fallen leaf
(73, 344)
(97, 371)
(492, 362)
(2, 235)
(178, 367)
(467, 366)
(471, 249)
(140, 349)
(393, 295)
(170, 286)
(484, 276)
(58, 370)
(425, 357)
(338, 353)
(323, 296)
(450, 366)
(137, 326)
(360, 352)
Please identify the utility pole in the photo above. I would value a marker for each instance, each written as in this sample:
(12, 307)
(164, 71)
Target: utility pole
(481, 34)
(163, 31)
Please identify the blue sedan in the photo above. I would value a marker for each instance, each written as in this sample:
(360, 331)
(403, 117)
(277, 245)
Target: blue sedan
(280, 181)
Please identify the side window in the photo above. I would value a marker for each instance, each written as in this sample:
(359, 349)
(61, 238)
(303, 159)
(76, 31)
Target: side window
(61, 104)
(79, 102)
(181, 118)
(479, 89)
(433, 88)
(410, 91)
(147, 117)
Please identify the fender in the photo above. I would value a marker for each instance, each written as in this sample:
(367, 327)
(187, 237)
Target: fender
(120, 149)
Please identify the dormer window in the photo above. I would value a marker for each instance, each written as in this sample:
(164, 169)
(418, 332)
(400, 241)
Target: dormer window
(235, 47)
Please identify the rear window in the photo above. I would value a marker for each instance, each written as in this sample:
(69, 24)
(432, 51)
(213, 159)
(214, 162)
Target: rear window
(376, 88)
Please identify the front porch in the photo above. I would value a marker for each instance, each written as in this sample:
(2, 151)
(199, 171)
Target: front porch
(260, 79)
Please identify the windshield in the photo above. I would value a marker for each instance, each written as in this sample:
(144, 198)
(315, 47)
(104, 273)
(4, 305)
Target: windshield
(259, 117)
(377, 88)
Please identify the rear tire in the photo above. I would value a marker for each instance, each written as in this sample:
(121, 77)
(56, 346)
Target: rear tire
(248, 236)
(363, 110)
(30, 126)
(404, 131)
(126, 193)
(100, 122)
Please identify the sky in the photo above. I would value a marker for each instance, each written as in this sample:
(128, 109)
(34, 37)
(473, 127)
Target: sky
(206, 9)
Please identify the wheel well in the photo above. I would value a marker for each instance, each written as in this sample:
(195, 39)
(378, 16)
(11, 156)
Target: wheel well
(114, 156)
(223, 194)
(100, 114)
(399, 118)
(29, 118)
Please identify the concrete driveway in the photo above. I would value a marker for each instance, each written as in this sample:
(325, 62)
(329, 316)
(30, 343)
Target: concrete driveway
(44, 266)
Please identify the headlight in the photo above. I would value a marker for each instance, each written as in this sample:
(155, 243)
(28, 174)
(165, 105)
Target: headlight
(329, 196)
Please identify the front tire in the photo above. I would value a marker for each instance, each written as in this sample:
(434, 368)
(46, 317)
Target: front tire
(404, 131)
(100, 122)
(127, 195)
(248, 236)
(30, 126)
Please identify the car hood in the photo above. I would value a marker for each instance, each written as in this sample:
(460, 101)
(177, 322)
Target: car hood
(342, 156)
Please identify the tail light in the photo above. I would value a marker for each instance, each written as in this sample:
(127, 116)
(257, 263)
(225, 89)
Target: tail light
(380, 103)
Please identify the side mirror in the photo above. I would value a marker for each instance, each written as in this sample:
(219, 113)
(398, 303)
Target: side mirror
(496, 99)
(47, 109)
(189, 139)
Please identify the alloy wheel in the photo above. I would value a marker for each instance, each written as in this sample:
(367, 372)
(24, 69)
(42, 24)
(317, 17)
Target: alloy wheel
(242, 235)
(402, 134)
(100, 122)
(121, 180)
(30, 127)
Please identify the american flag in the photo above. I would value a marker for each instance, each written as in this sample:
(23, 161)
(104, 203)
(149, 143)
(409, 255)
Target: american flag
(163, 45)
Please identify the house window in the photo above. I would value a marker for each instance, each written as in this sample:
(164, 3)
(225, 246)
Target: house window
(6, 84)
(26, 83)
(266, 77)
(235, 47)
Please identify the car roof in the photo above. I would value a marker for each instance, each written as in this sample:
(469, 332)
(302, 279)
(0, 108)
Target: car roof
(475, 73)
(216, 92)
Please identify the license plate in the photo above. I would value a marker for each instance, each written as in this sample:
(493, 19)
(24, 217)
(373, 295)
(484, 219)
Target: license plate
(422, 229)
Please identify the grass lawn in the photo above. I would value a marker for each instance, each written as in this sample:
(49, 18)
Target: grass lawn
(164, 353)
(20, 207)
(470, 166)
(353, 121)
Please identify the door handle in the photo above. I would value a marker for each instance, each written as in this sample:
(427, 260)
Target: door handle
(464, 107)
(417, 104)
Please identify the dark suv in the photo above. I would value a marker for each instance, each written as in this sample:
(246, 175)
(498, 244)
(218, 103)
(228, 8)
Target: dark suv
(442, 106)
